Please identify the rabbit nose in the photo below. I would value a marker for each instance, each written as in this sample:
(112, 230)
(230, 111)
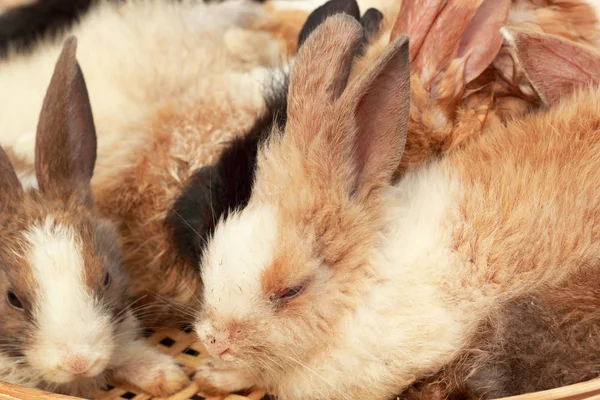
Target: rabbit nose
(217, 345)
(78, 364)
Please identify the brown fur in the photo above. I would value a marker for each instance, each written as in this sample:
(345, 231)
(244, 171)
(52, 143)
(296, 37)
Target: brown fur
(184, 136)
(522, 217)
(449, 111)
(546, 337)
(141, 197)
(535, 342)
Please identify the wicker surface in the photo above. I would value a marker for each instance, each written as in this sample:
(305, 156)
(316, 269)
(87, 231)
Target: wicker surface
(182, 345)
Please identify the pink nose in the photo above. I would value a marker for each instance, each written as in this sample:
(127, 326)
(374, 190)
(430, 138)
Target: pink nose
(217, 346)
(78, 365)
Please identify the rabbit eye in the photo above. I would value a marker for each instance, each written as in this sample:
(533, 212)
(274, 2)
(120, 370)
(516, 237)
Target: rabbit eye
(107, 280)
(291, 292)
(13, 300)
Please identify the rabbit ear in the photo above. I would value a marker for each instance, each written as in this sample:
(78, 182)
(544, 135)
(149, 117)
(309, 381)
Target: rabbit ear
(371, 23)
(10, 186)
(555, 67)
(65, 149)
(442, 31)
(320, 14)
(322, 67)
(380, 97)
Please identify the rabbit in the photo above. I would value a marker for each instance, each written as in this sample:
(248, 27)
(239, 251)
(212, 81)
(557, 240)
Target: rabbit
(335, 283)
(67, 318)
(227, 182)
(214, 190)
(155, 122)
(548, 337)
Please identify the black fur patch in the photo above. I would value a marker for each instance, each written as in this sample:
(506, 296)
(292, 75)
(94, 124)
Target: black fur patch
(214, 190)
(321, 13)
(21, 26)
(371, 24)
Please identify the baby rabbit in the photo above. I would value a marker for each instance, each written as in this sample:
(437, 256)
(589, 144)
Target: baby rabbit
(155, 121)
(66, 316)
(443, 116)
(342, 285)
(548, 337)
(214, 190)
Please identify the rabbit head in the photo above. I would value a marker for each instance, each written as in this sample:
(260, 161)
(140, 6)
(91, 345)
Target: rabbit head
(303, 240)
(62, 286)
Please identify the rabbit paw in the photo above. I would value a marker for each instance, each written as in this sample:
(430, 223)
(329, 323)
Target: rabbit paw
(157, 374)
(216, 378)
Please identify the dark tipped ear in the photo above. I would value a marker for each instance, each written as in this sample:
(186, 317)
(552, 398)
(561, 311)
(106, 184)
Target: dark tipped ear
(371, 22)
(381, 100)
(320, 14)
(10, 186)
(322, 67)
(65, 149)
(555, 67)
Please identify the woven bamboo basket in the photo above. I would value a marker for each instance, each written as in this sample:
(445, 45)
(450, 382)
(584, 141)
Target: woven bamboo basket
(182, 345)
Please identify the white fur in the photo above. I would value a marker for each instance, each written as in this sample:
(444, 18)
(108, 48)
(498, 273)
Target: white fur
(70, 320)
(136, 58)
(234, 276)
(28, 179)
(405, 325)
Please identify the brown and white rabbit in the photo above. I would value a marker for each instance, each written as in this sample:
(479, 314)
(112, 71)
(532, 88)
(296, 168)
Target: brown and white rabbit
(212, 191)
(67, 321)
(215, 189)
(167, 86)
(335, 284)
(548, 337)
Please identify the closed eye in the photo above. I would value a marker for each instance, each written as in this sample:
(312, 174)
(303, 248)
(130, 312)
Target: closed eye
(292, 292)
(14, 301)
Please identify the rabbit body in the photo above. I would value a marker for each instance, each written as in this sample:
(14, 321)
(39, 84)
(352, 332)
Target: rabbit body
(167, 85)
(352, 288)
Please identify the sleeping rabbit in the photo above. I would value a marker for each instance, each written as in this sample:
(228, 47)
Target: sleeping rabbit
(334, 283)
(546, 337)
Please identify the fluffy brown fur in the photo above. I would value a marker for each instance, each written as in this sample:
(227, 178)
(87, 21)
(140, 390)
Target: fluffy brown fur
(454, 101)
(390, 282)
(548, 337)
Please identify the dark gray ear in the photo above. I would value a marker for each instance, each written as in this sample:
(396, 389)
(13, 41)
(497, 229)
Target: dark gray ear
(65, 149)
(371, 22)
(332, 7)
(10, 186)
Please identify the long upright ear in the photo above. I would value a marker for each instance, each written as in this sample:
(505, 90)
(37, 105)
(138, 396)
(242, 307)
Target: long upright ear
(10, 186)
(555, 67)
(65, 149)
(380, 97)
(322, 67)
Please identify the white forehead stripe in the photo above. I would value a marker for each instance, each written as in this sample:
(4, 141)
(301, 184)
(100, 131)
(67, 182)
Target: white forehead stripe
(241, 249)
(65, 310)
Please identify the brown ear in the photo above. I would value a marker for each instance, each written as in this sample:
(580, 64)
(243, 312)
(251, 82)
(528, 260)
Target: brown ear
(443, 31)
(555, 67)
(322, 66)
(65, 149)
(380, 97)
(10, 186)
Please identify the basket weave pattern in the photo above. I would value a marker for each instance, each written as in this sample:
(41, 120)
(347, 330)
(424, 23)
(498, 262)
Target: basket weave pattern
(182, 344)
